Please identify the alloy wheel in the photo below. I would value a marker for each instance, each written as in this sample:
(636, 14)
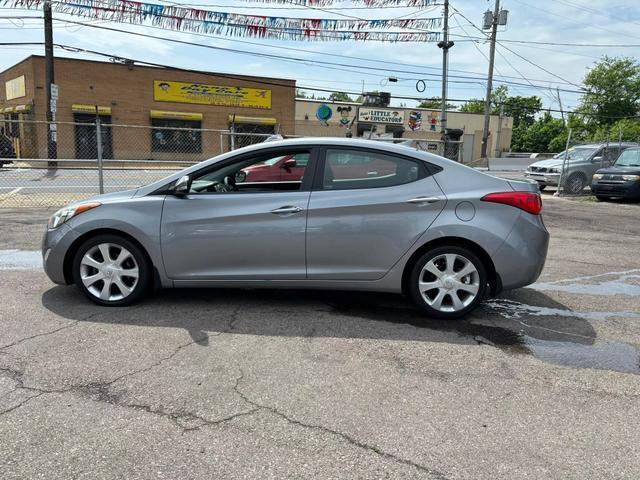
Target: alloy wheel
(109, 272)
(449, 282)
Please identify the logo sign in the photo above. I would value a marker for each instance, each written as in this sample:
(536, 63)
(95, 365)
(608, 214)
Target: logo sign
(324, 113)
(200, 93)
(380, 115)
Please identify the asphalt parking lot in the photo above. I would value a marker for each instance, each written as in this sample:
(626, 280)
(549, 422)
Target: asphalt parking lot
(543, 382)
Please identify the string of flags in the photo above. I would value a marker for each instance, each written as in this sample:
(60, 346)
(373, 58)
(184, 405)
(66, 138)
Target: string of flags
(240, 25)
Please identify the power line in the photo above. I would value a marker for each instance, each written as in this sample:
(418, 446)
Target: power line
(321, 63)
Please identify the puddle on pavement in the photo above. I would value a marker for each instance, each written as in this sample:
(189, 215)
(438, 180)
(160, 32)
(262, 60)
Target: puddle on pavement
(529, 332)
(20, 260)
(613, 283)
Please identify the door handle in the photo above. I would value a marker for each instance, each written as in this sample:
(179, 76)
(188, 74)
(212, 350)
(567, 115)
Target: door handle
(286, 209)
(421, 200)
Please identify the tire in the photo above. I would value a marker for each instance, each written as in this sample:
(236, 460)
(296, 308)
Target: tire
(468, 297)
(126, 260)
(575, 183)
(542, 187)
(602, 198)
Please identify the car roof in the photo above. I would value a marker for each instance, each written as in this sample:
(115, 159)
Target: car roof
(603, 144)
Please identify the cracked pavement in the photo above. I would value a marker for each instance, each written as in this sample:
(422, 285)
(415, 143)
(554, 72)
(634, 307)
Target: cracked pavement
(199, 384)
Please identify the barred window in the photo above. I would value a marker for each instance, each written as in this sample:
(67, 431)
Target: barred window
(183, 136)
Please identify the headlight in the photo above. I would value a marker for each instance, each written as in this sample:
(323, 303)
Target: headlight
(597, 176)
(554, 170)
(631, 178)
(66, 213)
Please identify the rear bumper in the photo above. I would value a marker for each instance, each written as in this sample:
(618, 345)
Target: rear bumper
(630, 190)
(520, 259)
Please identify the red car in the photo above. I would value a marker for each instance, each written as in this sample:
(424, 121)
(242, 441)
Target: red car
(290, 168)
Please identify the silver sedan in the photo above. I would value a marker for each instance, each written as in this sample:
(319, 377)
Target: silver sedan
(321, 213)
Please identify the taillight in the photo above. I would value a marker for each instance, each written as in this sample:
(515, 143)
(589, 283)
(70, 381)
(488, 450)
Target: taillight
(527, 201)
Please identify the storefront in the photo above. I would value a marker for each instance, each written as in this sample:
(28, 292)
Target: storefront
(146, 112)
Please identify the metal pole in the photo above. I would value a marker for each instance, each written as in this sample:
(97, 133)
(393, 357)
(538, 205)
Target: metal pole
(560, 104)
(564, 165)
(445, 67)
(99, 148)
(487, 103)
(52, 145)
(221, 143)
(498, 151)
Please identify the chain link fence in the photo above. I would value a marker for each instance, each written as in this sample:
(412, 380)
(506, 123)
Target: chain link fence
(93, 157)
(85, 159)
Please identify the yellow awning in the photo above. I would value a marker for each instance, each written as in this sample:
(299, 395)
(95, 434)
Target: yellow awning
(8, 110)
(196, 117)
(23, 108)
(82, 108)
(252, 120)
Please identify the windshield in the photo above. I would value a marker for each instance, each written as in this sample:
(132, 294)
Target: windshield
(629, 158)
(576, 153)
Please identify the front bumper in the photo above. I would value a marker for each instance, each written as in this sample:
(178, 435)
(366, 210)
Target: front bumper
(618, 189)
(521, 258)
(546, 179)
(55, 245)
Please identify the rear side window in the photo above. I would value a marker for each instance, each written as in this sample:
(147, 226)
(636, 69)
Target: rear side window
(351, 169)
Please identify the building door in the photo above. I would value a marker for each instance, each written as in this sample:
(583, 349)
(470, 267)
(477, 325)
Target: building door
(86, 139)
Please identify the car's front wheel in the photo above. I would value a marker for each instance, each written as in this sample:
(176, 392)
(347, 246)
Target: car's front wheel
(448, 282)
(111, 271)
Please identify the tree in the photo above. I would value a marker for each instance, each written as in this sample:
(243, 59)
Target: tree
(612, 91)
(473, 106)
(340, 97)
(301, 94)
(435, 103)
(538, 136)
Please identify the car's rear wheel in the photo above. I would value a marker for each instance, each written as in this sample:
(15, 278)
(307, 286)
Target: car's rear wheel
(448, 282)
(111, 271)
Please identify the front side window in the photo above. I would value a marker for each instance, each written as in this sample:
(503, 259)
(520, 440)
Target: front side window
(269, 172)
(181, 136)
(629, 158)
(349, 169)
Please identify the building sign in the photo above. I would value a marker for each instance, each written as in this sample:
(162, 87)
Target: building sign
(180, 92)
(15, 88)
(380, 115)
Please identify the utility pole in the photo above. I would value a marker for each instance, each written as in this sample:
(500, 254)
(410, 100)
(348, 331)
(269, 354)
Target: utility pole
(445, 45)
(487, 102)
(498, 151)
(560, 103)
(52, 134)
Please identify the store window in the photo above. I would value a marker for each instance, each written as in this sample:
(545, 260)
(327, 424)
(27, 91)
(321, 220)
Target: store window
(86, 136)
(170, 135)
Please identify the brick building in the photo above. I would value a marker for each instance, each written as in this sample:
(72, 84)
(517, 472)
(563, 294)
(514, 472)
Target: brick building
(125, 95)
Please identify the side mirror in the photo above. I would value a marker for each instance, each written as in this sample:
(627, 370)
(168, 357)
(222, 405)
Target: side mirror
(289, 164)
(597, 159)
(182, 186)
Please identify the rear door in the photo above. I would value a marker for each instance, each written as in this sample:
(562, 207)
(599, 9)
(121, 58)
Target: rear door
(367, 208)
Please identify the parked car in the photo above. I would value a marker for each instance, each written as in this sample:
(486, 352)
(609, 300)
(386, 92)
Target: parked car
(582, 163)
(362, 216)
(621, 180)
(7, 153)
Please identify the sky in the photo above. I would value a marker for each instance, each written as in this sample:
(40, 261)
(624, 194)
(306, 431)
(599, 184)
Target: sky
(545, 66)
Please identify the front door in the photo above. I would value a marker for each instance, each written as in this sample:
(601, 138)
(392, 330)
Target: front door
(367, 209)
(233, 227)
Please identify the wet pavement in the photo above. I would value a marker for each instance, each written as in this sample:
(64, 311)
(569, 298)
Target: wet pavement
(542, 382)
